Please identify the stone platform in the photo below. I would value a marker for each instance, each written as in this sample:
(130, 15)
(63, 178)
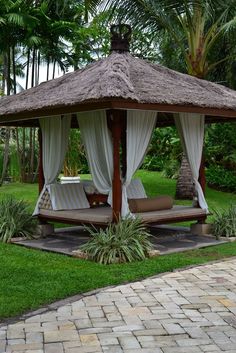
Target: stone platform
(166, 239)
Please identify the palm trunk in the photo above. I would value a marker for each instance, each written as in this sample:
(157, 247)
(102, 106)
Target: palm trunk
(47, 69)
(6, 155)
(33, 67)
(8, 71)
(18, 152)
(23, 156)
(8, 130)
(27, 70)
(38, 68)
(54, 69)
(4, 74)
(184, 187)
(14, 69)
(32, 154)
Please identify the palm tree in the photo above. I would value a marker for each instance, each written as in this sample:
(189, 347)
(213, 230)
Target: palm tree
(193, 28)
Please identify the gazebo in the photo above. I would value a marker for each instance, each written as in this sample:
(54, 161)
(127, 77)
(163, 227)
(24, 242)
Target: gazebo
(116, 102)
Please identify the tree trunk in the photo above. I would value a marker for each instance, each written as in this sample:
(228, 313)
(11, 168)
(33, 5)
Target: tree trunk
(48, 69)
(54, 69)
(14, 69)
(7, 62)
(6, 155)
(33, 67)
(19, 152)
(184, 187)
(27, 69)
(23, 156)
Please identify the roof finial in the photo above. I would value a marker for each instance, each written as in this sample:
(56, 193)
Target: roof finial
(120, 37)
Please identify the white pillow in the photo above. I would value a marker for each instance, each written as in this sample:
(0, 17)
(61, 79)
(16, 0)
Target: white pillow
(89, 187)
(69, 196)
(135, 190)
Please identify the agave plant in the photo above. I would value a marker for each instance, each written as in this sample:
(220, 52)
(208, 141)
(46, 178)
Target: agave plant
(126, 241)
(225, 222)
(15, 220)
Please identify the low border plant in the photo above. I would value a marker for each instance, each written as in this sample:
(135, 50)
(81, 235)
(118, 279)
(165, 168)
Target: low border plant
(126, 241)
(224, 223)
(15, 220)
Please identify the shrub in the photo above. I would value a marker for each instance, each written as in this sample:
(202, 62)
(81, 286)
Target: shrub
(171, 169)
(154, 163)
(15, 220)
(221, 178)
(225, 222)
(126, 241)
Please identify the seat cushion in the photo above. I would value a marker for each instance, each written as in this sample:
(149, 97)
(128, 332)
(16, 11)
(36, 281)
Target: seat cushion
(135, 190)
(68, 196)
(151, 204)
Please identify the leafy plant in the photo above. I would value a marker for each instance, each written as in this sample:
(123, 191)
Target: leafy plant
(153, 163)
(225, 222)
(15, 220)
(221, 178)
(171, 169)
(126, 241)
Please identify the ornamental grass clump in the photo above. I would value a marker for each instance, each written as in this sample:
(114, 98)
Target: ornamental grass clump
(225, 223)
(126, 241)
(15, 220)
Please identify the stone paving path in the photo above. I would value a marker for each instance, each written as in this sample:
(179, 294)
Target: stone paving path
(189, 311)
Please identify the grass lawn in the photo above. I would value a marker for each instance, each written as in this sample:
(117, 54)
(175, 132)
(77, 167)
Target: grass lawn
(153, 182)
(31, 278)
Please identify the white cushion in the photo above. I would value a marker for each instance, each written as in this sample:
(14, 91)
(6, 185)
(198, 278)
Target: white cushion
(89, 187)
(135, 190)
(68, 196)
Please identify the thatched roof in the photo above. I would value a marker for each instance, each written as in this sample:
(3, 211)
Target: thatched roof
(120, 80)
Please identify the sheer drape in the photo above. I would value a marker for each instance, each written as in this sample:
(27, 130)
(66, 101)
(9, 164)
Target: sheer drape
(191, 130)
(55, 135)
(140, 125)
(97, 140)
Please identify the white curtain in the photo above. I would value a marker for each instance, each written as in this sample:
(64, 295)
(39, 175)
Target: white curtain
(191, 130)
(97, 140)
(55, 136)
(140, 125)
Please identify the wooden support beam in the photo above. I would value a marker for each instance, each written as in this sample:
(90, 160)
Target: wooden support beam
(41, 180)
(202, 175)
(124, 144)
(116, 128)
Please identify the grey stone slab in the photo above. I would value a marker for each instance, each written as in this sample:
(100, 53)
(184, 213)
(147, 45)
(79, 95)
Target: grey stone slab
(167, 240)
(175, 313)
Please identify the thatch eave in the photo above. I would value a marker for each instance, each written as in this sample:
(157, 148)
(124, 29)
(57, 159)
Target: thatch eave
(30, 118)
(119, 81)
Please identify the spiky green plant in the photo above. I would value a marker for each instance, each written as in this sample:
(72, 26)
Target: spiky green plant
(225, 222)
(126, 241)
(15, 220)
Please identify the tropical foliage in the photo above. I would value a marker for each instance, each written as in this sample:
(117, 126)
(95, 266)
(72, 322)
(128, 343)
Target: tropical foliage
(15, 220)
(194, 36)
(224, 223)
(126, 241)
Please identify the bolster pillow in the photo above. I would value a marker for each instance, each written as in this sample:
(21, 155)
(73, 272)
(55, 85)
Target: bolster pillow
(151, 204)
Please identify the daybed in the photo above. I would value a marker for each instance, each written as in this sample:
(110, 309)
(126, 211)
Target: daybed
(100, 213)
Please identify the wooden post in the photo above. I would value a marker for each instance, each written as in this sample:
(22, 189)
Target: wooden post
(202, 176)
(124, 143)
(116, 129)
(41, 175)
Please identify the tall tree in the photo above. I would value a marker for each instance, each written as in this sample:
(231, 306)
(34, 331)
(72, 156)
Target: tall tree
(192, 28)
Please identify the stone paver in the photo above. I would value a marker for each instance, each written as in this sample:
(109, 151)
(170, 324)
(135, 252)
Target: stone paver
(189, 311)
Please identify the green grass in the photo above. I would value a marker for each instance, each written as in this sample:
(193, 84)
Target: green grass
(31, 278)
(155, 184)
(27, 192)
